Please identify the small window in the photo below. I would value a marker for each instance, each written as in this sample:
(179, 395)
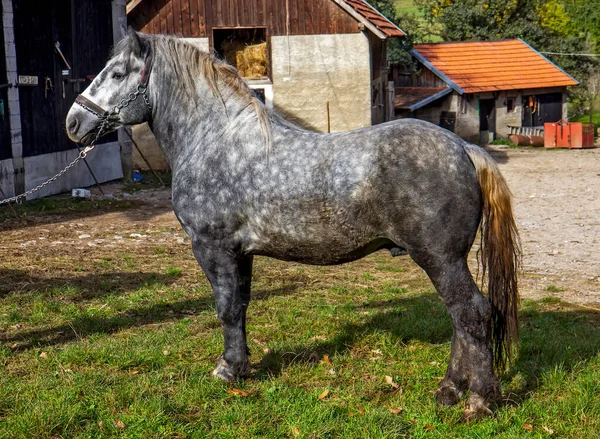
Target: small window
(510, 105)
(246, 49)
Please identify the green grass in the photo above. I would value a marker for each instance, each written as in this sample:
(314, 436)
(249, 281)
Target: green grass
(586, 118)
(406, 7)
(125, 347)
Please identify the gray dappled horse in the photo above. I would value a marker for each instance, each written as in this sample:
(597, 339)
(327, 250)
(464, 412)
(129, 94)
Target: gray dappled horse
(246, 182)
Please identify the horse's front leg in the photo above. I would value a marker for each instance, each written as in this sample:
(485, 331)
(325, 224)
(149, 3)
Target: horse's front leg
(230, 277)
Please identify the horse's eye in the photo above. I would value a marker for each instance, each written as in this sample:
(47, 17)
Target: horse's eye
(117, 76)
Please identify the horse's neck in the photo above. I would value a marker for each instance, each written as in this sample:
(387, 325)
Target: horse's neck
(187, 127)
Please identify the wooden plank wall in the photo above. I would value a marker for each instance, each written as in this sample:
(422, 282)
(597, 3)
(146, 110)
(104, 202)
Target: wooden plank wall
(195, 18)
(84, 29)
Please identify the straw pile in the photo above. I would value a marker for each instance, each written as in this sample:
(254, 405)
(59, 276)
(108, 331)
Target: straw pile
(250, 60)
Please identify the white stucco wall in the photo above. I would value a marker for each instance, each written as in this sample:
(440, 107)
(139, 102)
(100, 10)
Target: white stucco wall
(310, 70)
(200, 43)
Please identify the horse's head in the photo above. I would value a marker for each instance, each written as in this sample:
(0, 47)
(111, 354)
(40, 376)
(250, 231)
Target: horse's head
(117, 96)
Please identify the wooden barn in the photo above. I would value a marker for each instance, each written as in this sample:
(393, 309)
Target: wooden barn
(49, 51)
(483, 90)
(322, 63)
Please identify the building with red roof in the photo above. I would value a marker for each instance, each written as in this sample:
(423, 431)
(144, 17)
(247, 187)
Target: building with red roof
(482, 90)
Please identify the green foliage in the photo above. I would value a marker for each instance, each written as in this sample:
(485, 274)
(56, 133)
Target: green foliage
(502, 141)
(585, 15)
(398, 49)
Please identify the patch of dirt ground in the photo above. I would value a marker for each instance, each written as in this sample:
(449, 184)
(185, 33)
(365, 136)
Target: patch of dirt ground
(556, 202)
(556, 195)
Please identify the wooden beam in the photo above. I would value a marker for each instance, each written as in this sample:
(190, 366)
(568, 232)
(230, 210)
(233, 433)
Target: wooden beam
(132, 5)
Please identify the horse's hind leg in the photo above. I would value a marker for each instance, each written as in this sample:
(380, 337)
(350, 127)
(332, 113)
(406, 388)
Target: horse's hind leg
(471, 362)
(230, 278)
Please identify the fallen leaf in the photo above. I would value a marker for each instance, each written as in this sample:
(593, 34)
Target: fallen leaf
(296, 432)
(43, 355)
(429, 427)
(390, 381)
(360, 410)
(396, 410)
(376, 351)
(318, 337)
(165, 353)
(240, 392)
(548, 430)
(324, 394)
(325, 360)
(119, 424)
(528, 427)
(331, 371)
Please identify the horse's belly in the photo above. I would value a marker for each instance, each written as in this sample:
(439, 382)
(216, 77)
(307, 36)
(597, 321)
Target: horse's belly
(324, 251)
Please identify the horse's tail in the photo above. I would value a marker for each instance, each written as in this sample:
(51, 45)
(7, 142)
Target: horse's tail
(500, 255)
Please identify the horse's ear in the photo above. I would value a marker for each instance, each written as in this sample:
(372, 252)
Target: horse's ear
(139, 46)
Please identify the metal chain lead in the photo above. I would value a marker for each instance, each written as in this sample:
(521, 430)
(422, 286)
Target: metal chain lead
(82, 154)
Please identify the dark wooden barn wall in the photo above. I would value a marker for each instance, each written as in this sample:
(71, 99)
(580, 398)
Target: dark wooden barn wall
(195, 18)
(5, 147)
(84, 30)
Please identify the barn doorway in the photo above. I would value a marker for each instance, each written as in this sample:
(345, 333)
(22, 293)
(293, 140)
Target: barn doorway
(539, 109)
(487, 120)
(245, 49)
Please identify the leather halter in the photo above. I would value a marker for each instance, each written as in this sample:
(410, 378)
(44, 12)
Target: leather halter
(101, 113)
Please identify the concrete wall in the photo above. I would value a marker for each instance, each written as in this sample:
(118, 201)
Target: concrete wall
(200, 43)
(310, 70)
(146, 142)
(105, 162)
(467, 111)
(7, 178)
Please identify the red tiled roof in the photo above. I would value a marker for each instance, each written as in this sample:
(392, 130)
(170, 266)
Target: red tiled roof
(492, 65)
(375, 17)
(409, 96)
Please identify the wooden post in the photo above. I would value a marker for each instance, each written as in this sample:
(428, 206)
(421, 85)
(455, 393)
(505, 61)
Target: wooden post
(391, 96)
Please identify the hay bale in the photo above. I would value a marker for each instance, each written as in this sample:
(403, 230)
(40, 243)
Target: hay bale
(250, 60)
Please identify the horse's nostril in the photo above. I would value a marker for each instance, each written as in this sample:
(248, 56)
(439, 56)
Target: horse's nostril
(73, 125)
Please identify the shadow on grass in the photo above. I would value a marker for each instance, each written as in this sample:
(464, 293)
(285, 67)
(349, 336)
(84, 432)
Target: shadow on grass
(78, 287)
(84, 326)
(552, 336)
(61, 208)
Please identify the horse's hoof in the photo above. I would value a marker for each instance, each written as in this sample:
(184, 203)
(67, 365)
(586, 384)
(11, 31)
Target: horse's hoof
(447, 395)
(227, 373)
(476, 408)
